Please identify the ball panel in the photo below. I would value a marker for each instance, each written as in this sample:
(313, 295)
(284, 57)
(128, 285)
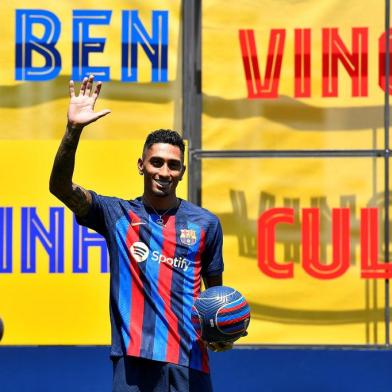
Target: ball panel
(231, 319)
(217, 292)
(223, 314)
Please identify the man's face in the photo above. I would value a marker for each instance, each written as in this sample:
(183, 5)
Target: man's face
(162, 166)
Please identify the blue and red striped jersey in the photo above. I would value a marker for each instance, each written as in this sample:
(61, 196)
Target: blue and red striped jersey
(156, 274)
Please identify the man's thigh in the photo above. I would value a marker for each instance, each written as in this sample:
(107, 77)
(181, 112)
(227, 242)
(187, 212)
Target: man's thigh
(132, 374)
(183, 379)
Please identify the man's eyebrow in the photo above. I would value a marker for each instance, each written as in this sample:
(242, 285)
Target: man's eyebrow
(162, 158)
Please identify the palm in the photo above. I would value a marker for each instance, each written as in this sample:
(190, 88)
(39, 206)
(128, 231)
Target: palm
(81, 107)
(81, 110)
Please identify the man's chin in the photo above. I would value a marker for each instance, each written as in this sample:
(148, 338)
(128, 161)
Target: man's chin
(158, 193)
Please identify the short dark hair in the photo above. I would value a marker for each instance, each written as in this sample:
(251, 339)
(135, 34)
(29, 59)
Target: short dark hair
(164, 136)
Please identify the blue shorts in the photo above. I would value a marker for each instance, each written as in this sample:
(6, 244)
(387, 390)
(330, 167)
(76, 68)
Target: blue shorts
(131, 374)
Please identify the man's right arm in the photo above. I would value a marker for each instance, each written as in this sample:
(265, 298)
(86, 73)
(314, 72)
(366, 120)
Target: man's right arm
(72, 195)
(80, 113)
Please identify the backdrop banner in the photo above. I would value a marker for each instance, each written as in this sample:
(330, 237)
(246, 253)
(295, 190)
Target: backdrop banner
(303, 237)
(289, 75)
(53, 273)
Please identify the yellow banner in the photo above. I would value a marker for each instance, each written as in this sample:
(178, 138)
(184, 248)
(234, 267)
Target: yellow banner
(53, 278)
(285, 75)
(54, 273)
(292, 75)
(277, 75)
(133, 47)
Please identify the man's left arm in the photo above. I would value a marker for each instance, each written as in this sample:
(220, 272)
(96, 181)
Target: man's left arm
(214, 258)
(213, 280)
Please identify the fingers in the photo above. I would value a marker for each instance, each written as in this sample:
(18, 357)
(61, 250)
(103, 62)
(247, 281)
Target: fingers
(97, 90)
(83, 86)
(71, 88)
(102, 113)
(89, 85)
(213, 347)
(98, 115)
(81, 108)
(86, 87)
(220, 346)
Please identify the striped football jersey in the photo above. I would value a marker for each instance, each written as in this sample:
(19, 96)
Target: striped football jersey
(156, 274)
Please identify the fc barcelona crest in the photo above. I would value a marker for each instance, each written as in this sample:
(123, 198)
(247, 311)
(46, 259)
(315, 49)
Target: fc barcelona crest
(188, 237)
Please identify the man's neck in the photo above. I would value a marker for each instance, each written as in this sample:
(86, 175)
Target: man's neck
(160, 203)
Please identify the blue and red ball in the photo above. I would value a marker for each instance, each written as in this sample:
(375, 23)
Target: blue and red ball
(220, 314)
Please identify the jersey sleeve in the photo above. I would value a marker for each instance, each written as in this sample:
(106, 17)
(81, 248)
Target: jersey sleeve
(95, 218)
(212, 261)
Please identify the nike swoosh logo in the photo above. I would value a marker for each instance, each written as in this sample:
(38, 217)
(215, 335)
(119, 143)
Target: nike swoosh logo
(138, 223)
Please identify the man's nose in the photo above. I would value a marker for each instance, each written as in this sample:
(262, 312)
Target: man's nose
(164, 171)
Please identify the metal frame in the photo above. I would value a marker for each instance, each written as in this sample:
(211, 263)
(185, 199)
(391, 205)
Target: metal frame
(192, 113)
(200, 154)
(191, 91)
(386, 169)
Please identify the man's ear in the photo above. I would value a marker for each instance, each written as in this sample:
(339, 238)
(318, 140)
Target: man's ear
(140, 166)
(183, 171)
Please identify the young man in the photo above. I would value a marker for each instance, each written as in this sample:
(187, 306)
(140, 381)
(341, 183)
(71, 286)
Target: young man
(160, 247)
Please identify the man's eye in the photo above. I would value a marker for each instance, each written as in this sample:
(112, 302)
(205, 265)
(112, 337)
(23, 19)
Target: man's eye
(156, 163)
(175, 165)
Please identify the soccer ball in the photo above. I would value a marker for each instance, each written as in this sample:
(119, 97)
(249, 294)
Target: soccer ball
(220, 314)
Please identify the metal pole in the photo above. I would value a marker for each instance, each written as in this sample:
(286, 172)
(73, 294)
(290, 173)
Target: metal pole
(386, 166)
(231, 154)
(191, 92)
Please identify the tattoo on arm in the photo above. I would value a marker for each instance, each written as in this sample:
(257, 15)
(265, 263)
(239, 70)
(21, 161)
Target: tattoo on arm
(73, 196)
(79, 200)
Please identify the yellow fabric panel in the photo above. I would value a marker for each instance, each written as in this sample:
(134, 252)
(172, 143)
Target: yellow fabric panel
(231, 121)
(61, 308)
(302, 309)
(37, 110)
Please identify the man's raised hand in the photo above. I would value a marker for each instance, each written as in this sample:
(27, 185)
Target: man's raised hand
(81, 107)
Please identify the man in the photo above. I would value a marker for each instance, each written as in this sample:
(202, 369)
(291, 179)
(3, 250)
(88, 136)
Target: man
(160, 247)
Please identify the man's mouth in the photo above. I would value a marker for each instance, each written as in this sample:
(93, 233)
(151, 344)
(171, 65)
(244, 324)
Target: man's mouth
(162, 182)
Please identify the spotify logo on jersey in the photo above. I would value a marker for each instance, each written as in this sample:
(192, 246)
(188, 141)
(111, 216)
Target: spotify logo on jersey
(139, 251)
